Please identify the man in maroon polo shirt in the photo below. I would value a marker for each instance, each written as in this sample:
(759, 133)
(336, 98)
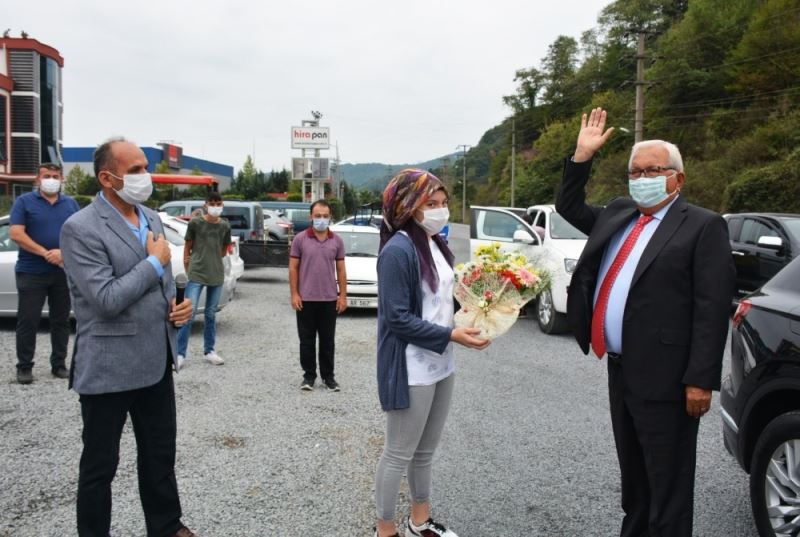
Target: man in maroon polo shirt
(316, 263)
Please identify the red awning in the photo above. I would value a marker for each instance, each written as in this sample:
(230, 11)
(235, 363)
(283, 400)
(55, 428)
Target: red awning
(195, 180)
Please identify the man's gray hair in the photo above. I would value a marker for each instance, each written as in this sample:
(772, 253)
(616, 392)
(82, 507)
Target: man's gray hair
(675, 161)
(103, 156)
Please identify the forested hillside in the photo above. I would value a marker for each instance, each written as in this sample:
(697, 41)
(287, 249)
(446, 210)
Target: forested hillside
(722, 82)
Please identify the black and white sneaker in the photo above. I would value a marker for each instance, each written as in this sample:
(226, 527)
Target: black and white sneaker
(331, 384)
(307, 385)
(428, 529)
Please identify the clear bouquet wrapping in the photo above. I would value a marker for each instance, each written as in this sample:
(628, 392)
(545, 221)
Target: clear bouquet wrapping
(493, 289)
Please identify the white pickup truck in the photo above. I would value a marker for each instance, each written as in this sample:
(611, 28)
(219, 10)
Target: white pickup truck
(548, 241)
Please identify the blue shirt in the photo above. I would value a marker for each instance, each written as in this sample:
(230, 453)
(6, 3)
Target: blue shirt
(622, 285)
(140, 232)
(42, 221)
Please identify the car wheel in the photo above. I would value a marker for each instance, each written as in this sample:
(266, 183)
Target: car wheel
(775, 477)
(550, 321)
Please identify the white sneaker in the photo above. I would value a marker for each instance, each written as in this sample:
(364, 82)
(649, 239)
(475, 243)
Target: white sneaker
(428, 529)
(214, 358)
(181, 360)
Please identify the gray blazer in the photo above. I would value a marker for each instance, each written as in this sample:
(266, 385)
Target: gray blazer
(120, 304)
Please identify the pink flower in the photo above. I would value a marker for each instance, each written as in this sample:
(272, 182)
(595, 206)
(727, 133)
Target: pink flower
(527, 277)
(488, 295)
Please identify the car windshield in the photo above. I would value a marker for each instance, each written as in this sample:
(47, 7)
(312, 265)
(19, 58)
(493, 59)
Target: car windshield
(237, 217)
(561, 229)
(793, 225)
(360, 244)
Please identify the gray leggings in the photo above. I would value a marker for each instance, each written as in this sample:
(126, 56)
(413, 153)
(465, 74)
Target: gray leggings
(412, 435)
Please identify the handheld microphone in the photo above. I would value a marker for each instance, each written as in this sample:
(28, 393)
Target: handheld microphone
(180, 287)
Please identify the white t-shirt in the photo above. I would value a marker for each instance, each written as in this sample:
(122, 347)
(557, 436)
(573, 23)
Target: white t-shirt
(427, 367)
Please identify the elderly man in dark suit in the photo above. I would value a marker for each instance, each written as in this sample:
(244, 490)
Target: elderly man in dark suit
(652, 291)
(118, 267)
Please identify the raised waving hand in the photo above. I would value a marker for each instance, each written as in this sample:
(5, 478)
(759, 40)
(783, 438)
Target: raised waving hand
(592, 135)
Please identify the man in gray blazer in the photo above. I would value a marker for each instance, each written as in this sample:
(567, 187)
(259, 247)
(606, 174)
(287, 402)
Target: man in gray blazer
(118, 268)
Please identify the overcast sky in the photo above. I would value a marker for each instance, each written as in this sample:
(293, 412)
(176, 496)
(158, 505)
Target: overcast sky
(396, 82)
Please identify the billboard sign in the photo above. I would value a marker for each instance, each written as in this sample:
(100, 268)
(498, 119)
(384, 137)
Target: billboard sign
(173, 155)
(311, 138)
(311, 169)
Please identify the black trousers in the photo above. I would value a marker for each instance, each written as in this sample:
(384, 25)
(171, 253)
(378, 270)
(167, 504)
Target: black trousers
(32, 290)
(152, 411)
(317, 318)
(656, 446)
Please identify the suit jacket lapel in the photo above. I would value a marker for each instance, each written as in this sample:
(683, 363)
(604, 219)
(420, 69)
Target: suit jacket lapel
(119, 226)
(602, 234)
(156, 227)
(666, 229)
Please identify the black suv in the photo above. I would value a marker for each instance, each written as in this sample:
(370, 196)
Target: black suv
(762, 244)
(761, 400)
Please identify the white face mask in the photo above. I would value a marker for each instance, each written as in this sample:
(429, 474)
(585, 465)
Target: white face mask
(320, 224)
(434, 220)
(216, 212)
(48, 185)
(136, 187)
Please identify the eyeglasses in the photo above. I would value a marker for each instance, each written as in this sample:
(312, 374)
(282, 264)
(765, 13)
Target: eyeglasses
(652, 171)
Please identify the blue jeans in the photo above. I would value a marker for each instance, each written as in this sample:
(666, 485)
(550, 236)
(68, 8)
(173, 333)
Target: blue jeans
(213, 294)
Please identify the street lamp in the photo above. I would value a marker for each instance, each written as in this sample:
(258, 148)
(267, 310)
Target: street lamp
(464, 183)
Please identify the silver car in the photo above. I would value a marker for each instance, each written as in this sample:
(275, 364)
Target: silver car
(276, 226)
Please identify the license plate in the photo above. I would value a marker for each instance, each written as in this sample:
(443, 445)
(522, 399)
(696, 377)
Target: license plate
(360, 302)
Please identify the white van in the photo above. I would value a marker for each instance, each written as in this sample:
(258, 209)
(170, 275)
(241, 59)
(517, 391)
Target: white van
(549, 242)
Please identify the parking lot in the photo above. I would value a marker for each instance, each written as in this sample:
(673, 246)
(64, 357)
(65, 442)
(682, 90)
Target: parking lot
(527, 450)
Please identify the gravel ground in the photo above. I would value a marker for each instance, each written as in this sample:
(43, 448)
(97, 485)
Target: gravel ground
(527, 450)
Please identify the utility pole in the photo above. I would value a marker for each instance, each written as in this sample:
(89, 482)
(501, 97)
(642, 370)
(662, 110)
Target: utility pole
(464, 183)
(513, 156)
(638, 125)
(338, 176)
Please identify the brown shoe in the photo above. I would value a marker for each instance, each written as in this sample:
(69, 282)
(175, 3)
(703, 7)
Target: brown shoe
(185, 532)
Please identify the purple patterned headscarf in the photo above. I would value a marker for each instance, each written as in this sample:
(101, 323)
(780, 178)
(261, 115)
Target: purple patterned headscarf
(407, 192)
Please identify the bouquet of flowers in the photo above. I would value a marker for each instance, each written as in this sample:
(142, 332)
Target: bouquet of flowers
(493, 289)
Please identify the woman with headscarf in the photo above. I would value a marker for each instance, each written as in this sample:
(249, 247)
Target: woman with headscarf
(415, 353)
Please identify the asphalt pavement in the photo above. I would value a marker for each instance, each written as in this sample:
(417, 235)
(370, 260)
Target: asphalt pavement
(527, 450)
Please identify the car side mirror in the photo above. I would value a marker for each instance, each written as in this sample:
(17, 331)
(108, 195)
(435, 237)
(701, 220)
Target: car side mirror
(773, 243)
(523, 236)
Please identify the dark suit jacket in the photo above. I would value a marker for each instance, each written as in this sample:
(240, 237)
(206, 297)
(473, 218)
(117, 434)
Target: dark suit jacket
(676, 317)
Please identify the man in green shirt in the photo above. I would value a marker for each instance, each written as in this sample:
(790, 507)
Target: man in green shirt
(207, 240)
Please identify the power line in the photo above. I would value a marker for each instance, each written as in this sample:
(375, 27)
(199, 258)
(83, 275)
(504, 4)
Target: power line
(728, 64)
(742, 111)
(731, 99)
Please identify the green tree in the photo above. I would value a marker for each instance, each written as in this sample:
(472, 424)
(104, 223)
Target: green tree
(249, 181)
(765, 60)
(529, 86)
(559, 67)
(163, 167)
(73, 180)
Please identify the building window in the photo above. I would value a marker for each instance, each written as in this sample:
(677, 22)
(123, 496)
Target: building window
(50, 116)
(22, 189)
(3, 133)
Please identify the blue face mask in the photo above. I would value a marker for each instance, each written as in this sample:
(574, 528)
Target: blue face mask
(321, 224)
(648, 191)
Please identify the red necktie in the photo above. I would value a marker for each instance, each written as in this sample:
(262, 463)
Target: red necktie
(599, 316)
